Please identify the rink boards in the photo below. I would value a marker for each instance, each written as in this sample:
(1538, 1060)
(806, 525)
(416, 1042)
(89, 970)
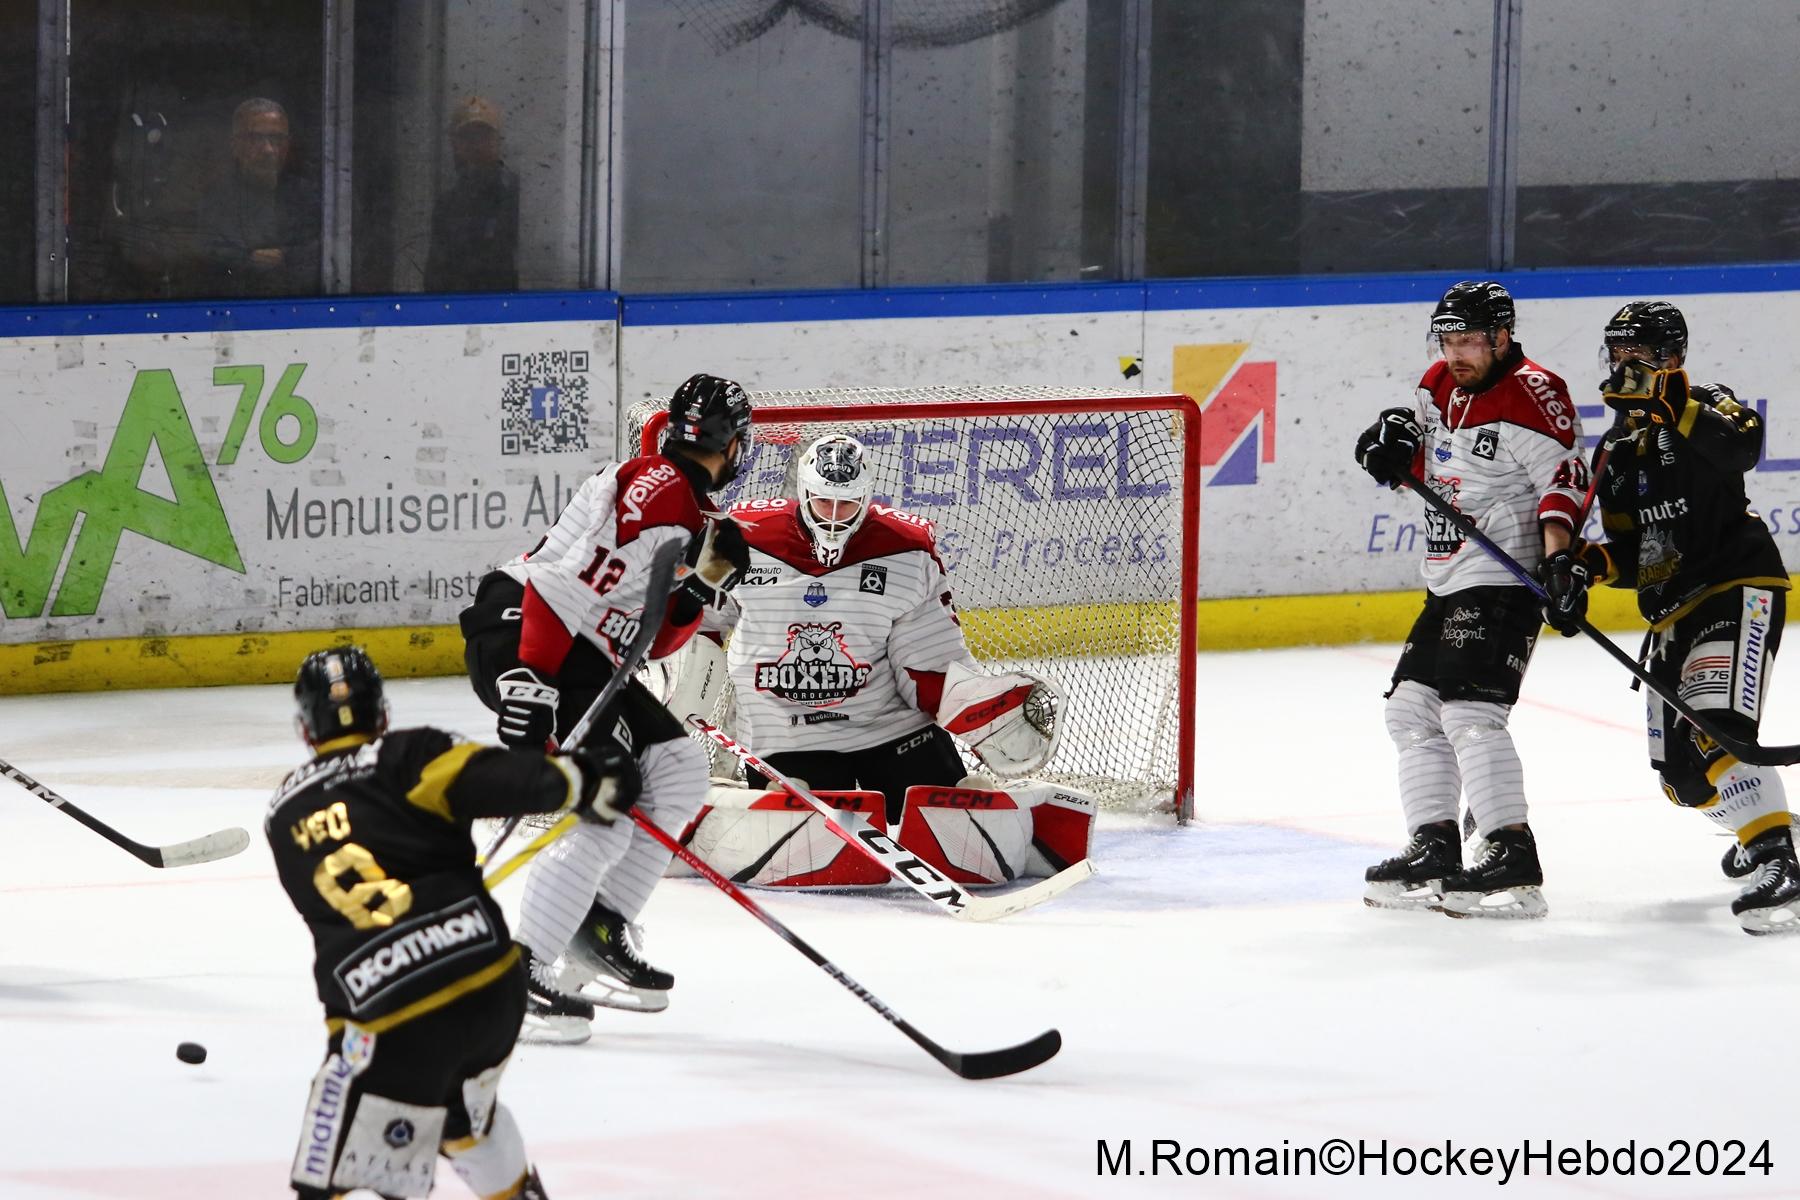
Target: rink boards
(200, 493)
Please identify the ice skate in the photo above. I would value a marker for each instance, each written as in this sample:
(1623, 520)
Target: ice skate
(1771, 899)
(603, 963)
(1410, 879)
(1737, 863)
(1505, 882)
(551, 1015)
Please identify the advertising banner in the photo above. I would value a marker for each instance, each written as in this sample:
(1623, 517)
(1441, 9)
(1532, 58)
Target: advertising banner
(269, 481)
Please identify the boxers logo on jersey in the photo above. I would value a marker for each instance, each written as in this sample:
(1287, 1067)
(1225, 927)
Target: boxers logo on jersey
(404, 951)
(874, 581)
(620, 629)
(817, 668)
(815, 595)
(1487, 442)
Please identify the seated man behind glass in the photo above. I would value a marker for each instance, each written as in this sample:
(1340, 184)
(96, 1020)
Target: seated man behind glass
(259, 226)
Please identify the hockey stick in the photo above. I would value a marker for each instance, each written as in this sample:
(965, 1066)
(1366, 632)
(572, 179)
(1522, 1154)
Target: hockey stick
(1750, 752)
(900, 862)
(223, 844)
(656, 604)
(983, 1064)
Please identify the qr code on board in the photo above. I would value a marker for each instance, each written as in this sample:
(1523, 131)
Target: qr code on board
(544, 402)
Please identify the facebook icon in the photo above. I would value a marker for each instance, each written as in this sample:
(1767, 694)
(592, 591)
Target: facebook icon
(546, 401)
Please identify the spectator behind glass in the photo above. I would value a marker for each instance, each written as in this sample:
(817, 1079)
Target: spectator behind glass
(475, 224)
(259, 227)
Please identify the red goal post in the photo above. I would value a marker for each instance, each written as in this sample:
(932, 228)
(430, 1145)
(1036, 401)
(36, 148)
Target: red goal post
(1069, 522)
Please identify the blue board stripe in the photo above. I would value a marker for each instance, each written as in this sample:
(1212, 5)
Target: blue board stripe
(179, 317)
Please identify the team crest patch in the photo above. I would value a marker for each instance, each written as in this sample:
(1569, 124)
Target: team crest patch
(874, 581)
(815, 595)
(1442, 452)
(1486, 444)
(817, 668)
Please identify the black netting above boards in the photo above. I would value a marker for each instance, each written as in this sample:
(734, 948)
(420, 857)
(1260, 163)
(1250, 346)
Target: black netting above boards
(728, 24)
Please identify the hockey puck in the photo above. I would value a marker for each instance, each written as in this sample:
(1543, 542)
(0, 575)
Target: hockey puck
(191, 1052)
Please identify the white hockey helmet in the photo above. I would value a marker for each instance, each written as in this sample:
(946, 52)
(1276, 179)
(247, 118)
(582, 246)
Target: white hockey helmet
(833, 483)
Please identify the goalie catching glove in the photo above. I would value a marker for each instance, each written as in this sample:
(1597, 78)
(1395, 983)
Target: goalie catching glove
(606, 781)
(1008, 720)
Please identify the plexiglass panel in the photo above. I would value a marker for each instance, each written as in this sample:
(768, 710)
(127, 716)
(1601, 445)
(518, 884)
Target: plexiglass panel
(1659, 133)
(194, 148)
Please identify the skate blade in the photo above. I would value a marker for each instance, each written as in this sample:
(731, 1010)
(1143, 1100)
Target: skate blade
(1401, 898)
(605, 990)
(1781, 919)
(1516, 904)
(554, 1031)
(609, 993)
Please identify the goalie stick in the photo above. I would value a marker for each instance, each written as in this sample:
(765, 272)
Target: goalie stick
(223, 844)
(1750, 752)
(900, 862)
(983, 1064)
(656, 603)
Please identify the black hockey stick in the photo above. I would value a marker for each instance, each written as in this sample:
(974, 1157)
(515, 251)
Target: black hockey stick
(1750, 752)
(983, 1064)
(656, 604)
(223, 844)
(896, 859)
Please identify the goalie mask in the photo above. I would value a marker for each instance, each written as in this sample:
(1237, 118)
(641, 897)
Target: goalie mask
(339, 692)
(833, 484)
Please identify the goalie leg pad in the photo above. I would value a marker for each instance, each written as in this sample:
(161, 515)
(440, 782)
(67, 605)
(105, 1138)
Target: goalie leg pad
(978, 835)
(770, 839)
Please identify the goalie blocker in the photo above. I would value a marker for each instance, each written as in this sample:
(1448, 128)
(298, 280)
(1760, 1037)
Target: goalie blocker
(973, 834)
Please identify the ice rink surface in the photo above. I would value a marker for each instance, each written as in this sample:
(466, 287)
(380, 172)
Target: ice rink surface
(1217, 986)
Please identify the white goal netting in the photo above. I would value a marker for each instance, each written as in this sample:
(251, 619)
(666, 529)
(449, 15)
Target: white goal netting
(1066, 521)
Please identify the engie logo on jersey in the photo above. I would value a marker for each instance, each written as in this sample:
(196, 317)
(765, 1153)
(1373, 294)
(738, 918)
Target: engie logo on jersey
(817, 668)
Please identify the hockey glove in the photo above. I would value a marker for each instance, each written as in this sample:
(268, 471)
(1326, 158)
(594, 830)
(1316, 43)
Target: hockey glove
(610, 783)
(1644, 395)
(1567, 579)
(717, 560)
(527, 709)
(1387, 448)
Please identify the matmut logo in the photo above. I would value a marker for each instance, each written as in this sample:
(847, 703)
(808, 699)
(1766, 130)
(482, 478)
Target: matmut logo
(1238, 430)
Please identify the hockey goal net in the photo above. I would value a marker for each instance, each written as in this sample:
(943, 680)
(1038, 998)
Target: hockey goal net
(1069, 525)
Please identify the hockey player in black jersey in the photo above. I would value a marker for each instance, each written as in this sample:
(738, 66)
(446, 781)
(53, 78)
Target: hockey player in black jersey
(422, 985)
(1709, 580)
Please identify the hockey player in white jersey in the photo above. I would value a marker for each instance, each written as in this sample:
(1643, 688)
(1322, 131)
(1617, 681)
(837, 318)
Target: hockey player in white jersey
(847, 658)
(543, 637)
(1493, 433)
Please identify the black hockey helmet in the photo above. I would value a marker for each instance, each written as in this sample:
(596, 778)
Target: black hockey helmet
(1656, 325)
(706, 413)
(338, 692)
(1474, 304)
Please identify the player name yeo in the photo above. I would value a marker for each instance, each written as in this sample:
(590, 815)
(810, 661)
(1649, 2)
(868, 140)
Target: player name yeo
(402, 952)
